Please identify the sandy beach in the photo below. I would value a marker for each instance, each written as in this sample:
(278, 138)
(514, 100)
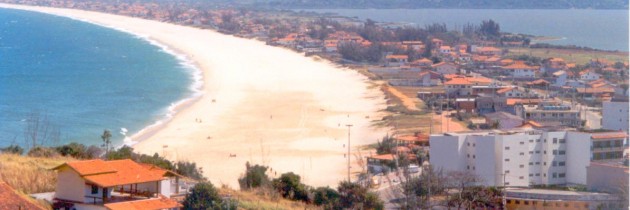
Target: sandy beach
(262, 104)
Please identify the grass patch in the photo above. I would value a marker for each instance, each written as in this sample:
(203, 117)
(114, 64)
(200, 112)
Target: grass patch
(570, 55)
(263, 199)
(30, 174)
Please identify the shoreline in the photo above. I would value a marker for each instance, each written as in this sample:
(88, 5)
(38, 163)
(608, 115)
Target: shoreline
(284, 107)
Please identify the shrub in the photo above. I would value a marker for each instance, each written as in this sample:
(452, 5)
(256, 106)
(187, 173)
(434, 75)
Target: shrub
(203, 196)
(74, 150)
(13, 149)
(255, 176)
(46, 152)
(325, 196)
(190, 169)
(353, 196)
(289, 186)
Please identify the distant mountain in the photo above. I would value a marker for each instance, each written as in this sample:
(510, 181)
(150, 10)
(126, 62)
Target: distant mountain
(472, 4)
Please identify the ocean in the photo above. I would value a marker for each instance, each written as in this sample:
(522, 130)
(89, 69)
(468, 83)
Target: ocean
(80, 79)
(599, 29)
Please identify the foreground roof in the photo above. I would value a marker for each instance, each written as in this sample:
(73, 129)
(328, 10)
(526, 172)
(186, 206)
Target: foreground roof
(114, 172)
(150, 204)
(10, 199)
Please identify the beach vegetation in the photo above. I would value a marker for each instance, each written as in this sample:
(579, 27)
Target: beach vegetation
(12, 149)
(184, 168)
(354, 196)
(326, 197)
(79, 151)
(290, 187)
(40, 151)
(204, 196)
(386, 145)
(255, 176)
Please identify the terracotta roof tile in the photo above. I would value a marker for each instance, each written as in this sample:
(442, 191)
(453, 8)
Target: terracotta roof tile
(150, 204)
(10, 199)
(89, 167)
(615, 135)
(115, 172)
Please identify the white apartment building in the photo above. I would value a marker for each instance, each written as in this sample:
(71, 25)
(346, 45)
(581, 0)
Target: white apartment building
(522, 157)
(615, 115)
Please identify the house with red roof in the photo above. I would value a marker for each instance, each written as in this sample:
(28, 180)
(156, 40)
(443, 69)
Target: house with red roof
(115, 184)
(396, 60)
(520, 69)
(589, 75)
(12, 199)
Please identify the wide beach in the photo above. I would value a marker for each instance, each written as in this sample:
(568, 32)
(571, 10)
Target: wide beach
(258, 103)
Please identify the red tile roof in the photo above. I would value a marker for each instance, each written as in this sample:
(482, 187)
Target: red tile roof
(10, 199)
(614, 135)
(519, 65)
(150, 204)
(114, 172)
(504, 90)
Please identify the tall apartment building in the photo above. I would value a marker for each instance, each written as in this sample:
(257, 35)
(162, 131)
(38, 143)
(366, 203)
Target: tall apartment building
(615, 115)
(524, 157)
(550, 113)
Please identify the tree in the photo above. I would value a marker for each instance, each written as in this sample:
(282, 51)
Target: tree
(39, 131)
(490, 29)
(203, 196)
(255, 176)
(290, 187)
(355, 196)
(74, 150)
(106, 137)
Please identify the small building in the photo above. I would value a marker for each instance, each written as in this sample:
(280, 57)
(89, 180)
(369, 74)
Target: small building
(115, 184)
(465, 104)
(589, 75)
(503, 120)
(445, 68)
(521, 70)
(560, 78)
(396, 60)
(550, 112)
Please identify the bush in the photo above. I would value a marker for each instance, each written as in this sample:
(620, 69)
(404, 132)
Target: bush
(325, 196)
(46, 152)
(203, 196)
(13, 149)
(190, 169)
(354, 196)
(74, 150)
(255, 176)
(289, 186)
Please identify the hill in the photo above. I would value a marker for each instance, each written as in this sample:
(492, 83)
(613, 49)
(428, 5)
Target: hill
(407, 4)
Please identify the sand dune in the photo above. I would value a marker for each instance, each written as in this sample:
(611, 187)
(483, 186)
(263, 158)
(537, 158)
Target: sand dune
(261, 104)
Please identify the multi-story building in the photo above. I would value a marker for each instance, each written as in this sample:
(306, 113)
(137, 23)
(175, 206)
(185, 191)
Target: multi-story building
(549, 112)
(522, 157)
(615, 115)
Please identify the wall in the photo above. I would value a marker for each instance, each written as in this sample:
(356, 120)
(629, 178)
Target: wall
(578, 156)
(70, 186)
(445, 153)
(608, 178)
(615, 116)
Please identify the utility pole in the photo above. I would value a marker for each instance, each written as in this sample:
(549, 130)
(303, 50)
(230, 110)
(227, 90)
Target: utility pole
(349, 125)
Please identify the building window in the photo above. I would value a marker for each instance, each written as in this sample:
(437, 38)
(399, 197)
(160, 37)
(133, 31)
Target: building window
(531, 175)
(531, 152)
(526, 202)
(554, 175)
(537, 151)
(507, 171)
(521, 166)
(468, 144)
(537, 140)
(468, 155)
(545, 175)
(562, 141)
(507, 148)
(507, 160)
(468, 167)
(561, 152)
(537, 174)
(522, 153)
(544, 163)
(474, 156)
(94, 189)
(561, 163)
(531, 141)
(521, 177)
(473, 144)
(561, 175)
(545, 152)
(537, 163)
(473, 168)
(522, 143)
(555, 140)
(555, 151)
(531, 163)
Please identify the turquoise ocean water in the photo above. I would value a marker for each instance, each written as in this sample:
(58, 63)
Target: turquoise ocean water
(83, 78)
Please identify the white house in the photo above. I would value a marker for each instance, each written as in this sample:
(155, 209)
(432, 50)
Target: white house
(524, 157)
(588, 75)
(445, 68)
(115, 184)
(511, 92)
(615, 115)
(521, 70)
(561, 78)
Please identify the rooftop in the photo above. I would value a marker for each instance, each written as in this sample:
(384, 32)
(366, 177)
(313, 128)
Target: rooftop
(149, 204)
(11, 199)
(115, 172)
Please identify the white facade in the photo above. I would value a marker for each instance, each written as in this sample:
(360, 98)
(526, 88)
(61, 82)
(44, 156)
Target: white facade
(589, 76)
(521, 73)
(515, 157)
(615, 116)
